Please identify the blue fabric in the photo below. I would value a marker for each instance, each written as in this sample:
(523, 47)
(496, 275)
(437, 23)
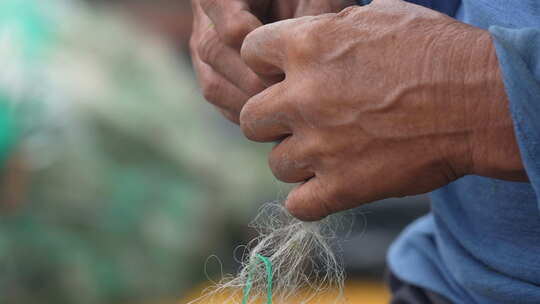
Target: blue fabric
(481, 243)
(448, 7)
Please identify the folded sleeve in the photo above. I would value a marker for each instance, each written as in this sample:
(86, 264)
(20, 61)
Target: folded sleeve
(518, 51)
(448, 7)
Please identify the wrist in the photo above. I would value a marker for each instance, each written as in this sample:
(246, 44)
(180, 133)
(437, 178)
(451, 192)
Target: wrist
(492, 143)
(456, 73)
(474, 108)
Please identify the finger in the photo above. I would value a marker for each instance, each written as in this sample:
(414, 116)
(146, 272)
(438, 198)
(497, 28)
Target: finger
(287, 162)
(264, 117)
(264, 49)
(331, 191)
(215, 88)
(232, 19)
(219, 91)
(309, 201)
(227, 62)
(230, 115)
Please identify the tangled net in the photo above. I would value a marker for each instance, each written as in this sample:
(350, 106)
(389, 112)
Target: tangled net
(287, 257)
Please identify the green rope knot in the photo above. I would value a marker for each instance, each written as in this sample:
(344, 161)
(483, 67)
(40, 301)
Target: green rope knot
(268, 266)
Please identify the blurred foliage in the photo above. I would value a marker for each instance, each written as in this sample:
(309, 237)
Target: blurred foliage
(128, 181)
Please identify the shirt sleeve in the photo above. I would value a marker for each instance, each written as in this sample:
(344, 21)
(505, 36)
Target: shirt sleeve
(518, 51)
(448, 7)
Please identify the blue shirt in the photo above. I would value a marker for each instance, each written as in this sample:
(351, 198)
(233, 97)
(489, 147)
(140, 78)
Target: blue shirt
(481, 242)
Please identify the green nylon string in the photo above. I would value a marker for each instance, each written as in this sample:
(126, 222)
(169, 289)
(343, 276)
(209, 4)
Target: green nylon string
(247, 289)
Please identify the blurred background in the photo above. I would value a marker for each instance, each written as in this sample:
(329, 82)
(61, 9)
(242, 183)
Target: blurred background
(117, 180)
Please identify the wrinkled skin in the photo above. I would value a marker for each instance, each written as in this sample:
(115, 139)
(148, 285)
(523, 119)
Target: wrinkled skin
(386, 100)
(219, 29)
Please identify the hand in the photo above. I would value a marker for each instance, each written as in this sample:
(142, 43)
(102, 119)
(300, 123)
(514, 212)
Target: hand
(386, 100)
(219, 29)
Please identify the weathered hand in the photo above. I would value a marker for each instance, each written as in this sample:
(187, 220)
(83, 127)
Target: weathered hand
(386, 100)
(220, 27)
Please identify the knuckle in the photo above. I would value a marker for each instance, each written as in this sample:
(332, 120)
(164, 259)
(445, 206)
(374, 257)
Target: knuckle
(310, 95)
(311, 89)
(279, 165)
(306, 42)
(288, 164)
(249, 46)
(210, 88)
(246, 122)
(252, 83)
(235, 29)
(209, 47)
